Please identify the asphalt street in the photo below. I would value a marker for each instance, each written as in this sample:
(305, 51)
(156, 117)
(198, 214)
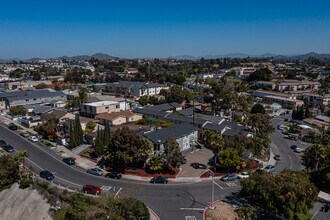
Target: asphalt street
(281, 146)
(170, 201)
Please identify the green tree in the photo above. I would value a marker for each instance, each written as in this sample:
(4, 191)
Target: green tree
(258, 108)
(18, 110)
(90, 126)
(229, 158)
(143, 100)
(78, 131)
(260, 123)
(41, 86)
(155, 163)
(106, 134)
(78, 208)
(246, 212)
(73, 138)
(172, 154)
(260, 74)
(286, 194)
(83, 95)
(213, 140)
(99, 147)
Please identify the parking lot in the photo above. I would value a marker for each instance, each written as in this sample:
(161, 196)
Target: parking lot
(200, 156)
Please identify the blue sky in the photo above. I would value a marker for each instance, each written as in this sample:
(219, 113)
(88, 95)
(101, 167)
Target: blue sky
(151, 28)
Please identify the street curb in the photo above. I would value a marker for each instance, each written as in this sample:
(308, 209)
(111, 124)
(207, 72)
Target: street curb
(153, 213)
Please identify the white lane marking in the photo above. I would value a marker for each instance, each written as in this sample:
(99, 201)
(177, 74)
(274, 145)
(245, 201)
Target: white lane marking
(314, 215)
(231, 184)
(106, 188)
(118, 192)
(218, 185)
(190, 217)
(192, 209)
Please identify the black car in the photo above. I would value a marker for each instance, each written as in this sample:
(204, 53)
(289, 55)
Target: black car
(69, 160)
(12, 127)
(8, 148)
(45, 174)
(114, 175)
(2, 143)
(293, 147)
(277, 157)
(159, 179)
(198, 165)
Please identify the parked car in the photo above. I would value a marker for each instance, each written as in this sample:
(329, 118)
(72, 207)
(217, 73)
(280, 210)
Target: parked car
(24, 134)
(114, 175)
(286, 136)
(277, 157)
(229, 177)
(198, 165)
(91, 189)
(297, 150)
(293, 147)
(183, 160)
(270, 168)
(95, 171)
(69, 160)
(33, 139)
(243, 175)
(159, 179)
(45, 174)
(8, 148)
(2, 143)
(12, 127)
(279, 127)
(293, 138)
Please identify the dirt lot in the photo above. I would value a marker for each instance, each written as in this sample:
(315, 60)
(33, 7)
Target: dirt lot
(18, 204)
(222, 211)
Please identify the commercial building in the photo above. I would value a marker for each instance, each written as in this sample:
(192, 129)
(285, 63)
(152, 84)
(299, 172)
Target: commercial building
(90, 110)
(31, 97)
(288, 85)
(134, 88)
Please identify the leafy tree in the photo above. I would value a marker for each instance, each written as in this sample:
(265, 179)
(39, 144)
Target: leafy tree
(18, 110)
(99, 147)
(258, 108)
(90, 126)
(214, 140)
(9, 171)
(229, 158)
(260, 74)
(78, 132)
(317, 160)
(155, 163)
(83, 95)
(172, 154)
(36, 76)
(144, 100)
(286, 194)
(73, 138)
(307, 112)
(260, 123)
(78, 208)
(246, 212)
(74, 103)
(41, 86)
(106, 134)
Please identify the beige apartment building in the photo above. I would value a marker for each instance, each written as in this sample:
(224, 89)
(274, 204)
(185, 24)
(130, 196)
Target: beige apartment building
(90, 110)
(118, 118)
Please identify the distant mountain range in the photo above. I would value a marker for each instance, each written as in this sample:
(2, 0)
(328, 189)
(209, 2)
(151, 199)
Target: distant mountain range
(103, 56)
(266, 55)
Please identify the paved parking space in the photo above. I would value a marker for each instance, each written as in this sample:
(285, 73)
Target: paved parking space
(200, 156)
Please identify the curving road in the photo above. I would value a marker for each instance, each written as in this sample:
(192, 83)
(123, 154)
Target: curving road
(281, 146)
(171, 201)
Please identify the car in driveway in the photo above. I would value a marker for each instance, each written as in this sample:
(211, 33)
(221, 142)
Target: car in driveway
(45, 174)
(12, 127)
(198, 165)
(24, 134)
(69, 160)
(91, 189)
(114, 175)
(229, 177)
(8, 148)
(33, 139)
(95, 171)
(270, 168)
(277, 157)
(159, 179)
(293, 147)
(243, 175)
(2, 143)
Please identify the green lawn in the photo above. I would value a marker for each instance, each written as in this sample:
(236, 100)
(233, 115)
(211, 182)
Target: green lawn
(305, 216)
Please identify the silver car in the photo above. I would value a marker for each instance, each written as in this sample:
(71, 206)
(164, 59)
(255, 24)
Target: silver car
(95, 171)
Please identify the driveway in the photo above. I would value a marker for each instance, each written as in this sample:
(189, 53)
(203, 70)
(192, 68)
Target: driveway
(199, 156)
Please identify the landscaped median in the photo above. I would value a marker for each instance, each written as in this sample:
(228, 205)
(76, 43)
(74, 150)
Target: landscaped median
(219, 211)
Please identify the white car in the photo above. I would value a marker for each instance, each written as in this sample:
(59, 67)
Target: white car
(33, 139)
(297, 150)
(243, 175)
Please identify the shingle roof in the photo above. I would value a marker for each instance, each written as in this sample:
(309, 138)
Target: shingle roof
(114, 115)
(214, 127)
(176, 131)
(31, 94)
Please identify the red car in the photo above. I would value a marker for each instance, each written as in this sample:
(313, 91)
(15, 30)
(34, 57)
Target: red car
(91, 189)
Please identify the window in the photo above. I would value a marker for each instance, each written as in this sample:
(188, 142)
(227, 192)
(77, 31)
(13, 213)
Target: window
(107, 107)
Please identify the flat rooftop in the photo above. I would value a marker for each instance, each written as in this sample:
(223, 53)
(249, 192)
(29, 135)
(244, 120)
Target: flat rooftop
(101, 103)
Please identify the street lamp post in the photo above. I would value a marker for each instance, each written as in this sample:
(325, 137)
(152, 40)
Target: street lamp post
(212, 195)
